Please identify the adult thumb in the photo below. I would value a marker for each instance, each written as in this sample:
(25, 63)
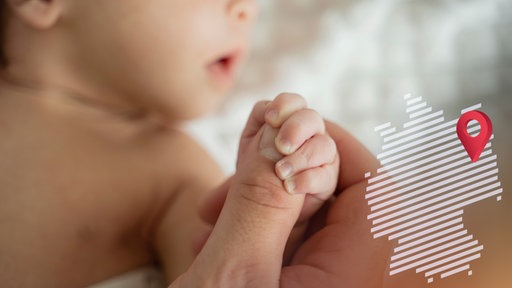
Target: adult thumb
(246, 246)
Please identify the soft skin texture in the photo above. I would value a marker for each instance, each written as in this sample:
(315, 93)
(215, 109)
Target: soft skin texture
(91, 100)
(83, 195)
(135, 57)
(97, 178)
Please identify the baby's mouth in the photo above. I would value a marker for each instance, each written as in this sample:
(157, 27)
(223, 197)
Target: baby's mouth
(223, 69)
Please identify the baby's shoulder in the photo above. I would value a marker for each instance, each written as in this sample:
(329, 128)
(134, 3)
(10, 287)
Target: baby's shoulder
(87, 184)
(194, 163)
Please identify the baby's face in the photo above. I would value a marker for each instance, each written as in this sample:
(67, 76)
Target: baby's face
(179, 56)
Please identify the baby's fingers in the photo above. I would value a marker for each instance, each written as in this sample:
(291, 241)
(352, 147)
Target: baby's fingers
(318, 182)
(284, 105)
(297, 129)
(317, 151)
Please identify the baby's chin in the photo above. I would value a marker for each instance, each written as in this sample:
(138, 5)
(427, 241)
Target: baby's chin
(195, 107)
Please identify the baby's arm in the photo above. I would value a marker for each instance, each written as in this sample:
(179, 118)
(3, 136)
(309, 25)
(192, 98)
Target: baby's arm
(175, 222)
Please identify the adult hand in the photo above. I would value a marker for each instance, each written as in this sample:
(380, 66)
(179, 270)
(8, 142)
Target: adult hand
(340, 251)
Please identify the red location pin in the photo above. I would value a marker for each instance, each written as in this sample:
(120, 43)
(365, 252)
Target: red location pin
(474, 145)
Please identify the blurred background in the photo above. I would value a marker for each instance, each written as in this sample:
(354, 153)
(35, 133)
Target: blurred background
(355, 60)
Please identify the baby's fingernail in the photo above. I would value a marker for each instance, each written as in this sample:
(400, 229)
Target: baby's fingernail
(272, 115)
(284, 147)
(284, 169)
(289, 185)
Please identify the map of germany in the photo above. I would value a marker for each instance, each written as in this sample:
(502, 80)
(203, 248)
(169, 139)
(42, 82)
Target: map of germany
(418, 196)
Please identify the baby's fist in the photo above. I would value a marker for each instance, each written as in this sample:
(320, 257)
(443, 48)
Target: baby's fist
(310, 164)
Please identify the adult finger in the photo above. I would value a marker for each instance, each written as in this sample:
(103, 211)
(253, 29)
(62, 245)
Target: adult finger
(247, 244)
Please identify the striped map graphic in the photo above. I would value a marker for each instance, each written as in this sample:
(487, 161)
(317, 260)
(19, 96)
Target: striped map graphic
(418, 196)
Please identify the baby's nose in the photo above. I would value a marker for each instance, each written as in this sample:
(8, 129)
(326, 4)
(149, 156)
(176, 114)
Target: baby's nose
(243, 10)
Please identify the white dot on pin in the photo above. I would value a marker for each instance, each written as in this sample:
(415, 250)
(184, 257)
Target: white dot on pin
(475, 125)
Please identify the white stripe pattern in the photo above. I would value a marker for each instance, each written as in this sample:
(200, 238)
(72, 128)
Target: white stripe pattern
(418, 195)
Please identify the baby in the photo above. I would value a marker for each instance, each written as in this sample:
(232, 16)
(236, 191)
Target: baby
(98, 180)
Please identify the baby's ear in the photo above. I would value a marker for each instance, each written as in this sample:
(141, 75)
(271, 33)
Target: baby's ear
(39, 14)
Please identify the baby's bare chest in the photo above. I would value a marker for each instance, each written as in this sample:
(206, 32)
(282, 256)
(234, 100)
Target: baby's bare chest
(76, 198)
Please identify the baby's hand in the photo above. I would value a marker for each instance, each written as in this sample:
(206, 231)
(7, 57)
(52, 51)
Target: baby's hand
(307, 157)
(294, 137)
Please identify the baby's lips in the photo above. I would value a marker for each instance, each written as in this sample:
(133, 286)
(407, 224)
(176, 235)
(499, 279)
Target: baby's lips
(267, 146)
